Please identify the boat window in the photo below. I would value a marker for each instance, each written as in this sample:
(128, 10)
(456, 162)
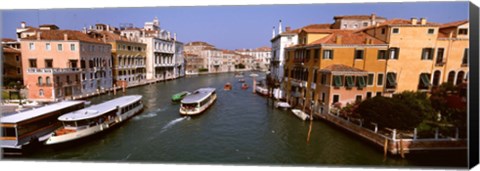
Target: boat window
(8, 132)
(69, 124)
(190, 105)
(83, 122)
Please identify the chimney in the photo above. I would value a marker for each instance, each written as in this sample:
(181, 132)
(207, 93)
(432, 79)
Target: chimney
(373, 17)
(450, 35)
(104, 38)
(39, 35)
(273, 32)
(175, 36)
(23, 24)
(338, 39)
(84, 30)
(377, 24)
(413, 21)
(280, 27)
(91, 27)
(65, 36)
(423, 21)
(108, 27)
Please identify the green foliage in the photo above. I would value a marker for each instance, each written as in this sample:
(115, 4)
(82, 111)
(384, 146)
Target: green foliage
(403, 111)
(440, 102)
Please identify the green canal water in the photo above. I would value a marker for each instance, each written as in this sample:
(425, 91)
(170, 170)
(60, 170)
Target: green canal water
(240, 128)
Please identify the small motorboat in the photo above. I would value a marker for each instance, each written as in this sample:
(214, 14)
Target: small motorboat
(227, 87)
(282, 105)
(244, 86)
(241, 80)
(179, 96)
(300, 114)
(261, 90)
(239, 75)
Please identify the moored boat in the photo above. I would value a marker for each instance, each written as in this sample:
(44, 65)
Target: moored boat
(23, 130)
(227, 87)
(244, 86)
(300, 114)
(241, 80)
(282, 105)
(179, 96)
(198, 101)
(96, 118)
(261, 90)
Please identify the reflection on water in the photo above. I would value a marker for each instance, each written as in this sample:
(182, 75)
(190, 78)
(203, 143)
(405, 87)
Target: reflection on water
(240, 128)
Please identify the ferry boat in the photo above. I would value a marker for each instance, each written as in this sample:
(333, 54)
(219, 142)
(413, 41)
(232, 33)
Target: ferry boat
(179, 96)
(23, 130)
(198, 101)
(96, 118)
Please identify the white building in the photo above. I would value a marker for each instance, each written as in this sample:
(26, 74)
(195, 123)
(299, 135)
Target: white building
(161, 51)
(262, 57)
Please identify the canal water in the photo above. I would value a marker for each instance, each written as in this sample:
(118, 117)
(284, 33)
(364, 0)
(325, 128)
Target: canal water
(240, 128)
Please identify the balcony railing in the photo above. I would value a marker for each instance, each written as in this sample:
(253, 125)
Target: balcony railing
(52, 70)
(44, 84)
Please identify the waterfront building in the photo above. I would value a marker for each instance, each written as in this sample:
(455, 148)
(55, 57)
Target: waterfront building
(194, 64)
(179, 70)
(397, 55)
(59, 64)
(353, 22)
(228, 60)
(161, 62)
(262, 56)
(12, 62)
(129, 68)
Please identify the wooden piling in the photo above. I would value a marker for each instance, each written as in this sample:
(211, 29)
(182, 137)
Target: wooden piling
(114, 89)
(385, 149)
(401, 148)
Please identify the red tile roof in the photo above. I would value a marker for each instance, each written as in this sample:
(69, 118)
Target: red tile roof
(453, 24)
(7, 49)
(348, 37)
(198, 43)
(398, 21)
(112, 36)
(59, 35)
(340, 68)
(8, 40)
(319, 26)
(316, 30)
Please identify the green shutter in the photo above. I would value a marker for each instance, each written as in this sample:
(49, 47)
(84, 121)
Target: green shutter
(349, 81)
(391, 79)
(337, 81)
(361, 82)
(425, 80)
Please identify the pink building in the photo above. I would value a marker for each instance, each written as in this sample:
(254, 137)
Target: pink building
(63, 64)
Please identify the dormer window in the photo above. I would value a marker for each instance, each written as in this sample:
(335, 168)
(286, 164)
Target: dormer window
(463, 31)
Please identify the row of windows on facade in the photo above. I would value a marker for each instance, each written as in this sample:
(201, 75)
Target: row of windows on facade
(96, 62)
(48, 80)
(130, 72)
(162, 46)
(164, 60)
(368, 80)
(130, 79)
(90, 48)
(130, 48)
(392, 53)
(98, 74)
(130, 61)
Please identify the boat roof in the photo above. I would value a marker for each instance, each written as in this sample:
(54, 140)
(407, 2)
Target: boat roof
(99, 109)
(198, 95)
(36, 112)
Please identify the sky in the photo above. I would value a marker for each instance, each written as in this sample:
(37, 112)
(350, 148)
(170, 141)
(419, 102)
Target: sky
(229, 27)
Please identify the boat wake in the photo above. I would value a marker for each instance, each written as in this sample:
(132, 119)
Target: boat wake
(171, 123)
(148, 115)
(160, 109)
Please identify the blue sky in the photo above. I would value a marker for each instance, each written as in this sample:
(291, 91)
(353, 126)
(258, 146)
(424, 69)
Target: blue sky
(229, 27)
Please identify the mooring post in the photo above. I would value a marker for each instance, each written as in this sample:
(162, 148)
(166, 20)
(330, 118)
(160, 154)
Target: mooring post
(385, 149)
(114, 89)
(436, 133)
(376, 128)
(456, 133)
(401, 149)
(394, 134)
(415, 133)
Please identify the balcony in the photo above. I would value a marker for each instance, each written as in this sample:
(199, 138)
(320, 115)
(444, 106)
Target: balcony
(52, 70)
(44, 84)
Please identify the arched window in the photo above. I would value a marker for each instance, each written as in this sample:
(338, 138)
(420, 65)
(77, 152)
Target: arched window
(47, 80)
(460, 77)
(40, 93)
(436, 78)
(451, 77)
(40, 81)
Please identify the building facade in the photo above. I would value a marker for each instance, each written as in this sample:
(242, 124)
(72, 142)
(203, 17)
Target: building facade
(61, 64)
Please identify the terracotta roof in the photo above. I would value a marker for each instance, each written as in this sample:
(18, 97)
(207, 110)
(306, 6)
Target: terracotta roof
(133, 28)
(340, 68)
(398, 21)
(112, 36)
(453, 24)
(316, 30)
(348, 37)
(442, 35)
(360, 17)
(319, 26)
(7, 49)
(59, 35)
(8, 40)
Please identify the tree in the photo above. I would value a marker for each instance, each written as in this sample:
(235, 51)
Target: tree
(450, 102)
(403, 111)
